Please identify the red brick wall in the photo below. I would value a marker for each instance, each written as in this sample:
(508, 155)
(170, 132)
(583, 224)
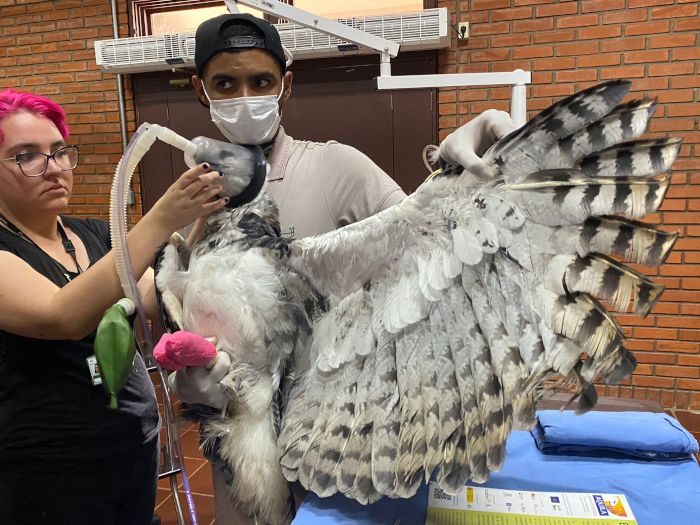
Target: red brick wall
(46, 47)
(569, 45)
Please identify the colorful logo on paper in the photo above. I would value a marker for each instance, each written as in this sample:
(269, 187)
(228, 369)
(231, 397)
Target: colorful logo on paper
(612, 506)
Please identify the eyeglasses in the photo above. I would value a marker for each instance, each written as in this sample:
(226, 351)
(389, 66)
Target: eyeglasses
(34, 163)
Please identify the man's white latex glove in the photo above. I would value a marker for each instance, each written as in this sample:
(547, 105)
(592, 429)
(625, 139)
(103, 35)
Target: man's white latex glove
(196, 384)
(466, 145)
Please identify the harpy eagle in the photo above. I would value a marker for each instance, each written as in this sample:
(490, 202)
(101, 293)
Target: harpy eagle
(407, 345)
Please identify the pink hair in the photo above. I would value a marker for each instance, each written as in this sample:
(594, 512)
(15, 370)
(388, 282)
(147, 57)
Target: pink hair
(12, 101)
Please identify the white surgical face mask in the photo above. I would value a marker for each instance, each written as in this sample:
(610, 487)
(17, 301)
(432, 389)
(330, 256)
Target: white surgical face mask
(247, 120)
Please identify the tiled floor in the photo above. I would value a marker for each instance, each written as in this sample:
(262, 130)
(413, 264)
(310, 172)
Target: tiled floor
(199, 475)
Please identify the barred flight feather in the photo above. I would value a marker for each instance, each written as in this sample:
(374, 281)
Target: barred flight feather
(605, 278)
(525, 150)
(408, 475)
(385, 436)
(625, 122)
(449, 412)
(568, 197)
(351, 451)
(641, 158)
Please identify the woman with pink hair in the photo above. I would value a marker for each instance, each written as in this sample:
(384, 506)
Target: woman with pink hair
(65, 457)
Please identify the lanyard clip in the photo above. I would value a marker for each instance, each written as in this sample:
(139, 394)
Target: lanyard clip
(68, 245)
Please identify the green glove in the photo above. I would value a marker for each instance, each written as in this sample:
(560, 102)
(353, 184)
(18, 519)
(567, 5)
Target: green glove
(115, 348)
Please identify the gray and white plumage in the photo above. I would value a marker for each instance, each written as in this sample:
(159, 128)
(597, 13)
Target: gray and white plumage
(409, 344)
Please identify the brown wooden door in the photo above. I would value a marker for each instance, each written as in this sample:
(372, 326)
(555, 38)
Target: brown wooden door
(331, 99)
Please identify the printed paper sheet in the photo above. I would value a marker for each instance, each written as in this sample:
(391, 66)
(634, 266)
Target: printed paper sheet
(476, 505)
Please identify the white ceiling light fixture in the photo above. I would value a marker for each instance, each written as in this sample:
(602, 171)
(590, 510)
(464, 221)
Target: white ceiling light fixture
(422, 30)
(319, 23)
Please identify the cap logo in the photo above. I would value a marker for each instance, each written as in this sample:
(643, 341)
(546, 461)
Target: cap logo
(244, 42)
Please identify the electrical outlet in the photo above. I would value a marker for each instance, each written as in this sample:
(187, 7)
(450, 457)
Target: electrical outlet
(463, 30)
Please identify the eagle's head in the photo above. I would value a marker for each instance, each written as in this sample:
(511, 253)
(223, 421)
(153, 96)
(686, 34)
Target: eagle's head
(244, 168)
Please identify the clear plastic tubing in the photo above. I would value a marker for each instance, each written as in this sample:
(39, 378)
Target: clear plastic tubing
(140, 143)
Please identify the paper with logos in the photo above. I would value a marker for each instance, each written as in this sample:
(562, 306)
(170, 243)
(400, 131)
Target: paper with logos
(476, 505)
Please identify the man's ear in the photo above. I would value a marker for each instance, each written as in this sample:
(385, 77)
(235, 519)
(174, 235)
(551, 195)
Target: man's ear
(288, 78)
(199, 90)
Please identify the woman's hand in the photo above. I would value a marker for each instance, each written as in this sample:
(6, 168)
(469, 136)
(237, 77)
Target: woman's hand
(191, 196)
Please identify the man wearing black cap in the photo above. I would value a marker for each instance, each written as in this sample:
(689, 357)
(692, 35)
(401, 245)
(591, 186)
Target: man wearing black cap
(242, 77)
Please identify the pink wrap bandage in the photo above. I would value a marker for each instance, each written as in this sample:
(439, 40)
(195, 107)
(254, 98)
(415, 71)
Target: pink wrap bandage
(180, 349)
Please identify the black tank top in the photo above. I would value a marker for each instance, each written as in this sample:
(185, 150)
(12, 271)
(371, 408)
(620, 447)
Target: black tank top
(49, 408)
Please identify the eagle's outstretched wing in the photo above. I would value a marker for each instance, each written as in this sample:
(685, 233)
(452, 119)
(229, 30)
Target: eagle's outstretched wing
(451, 309)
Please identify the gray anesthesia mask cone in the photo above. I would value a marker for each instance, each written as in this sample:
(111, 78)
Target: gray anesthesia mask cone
(244, 167)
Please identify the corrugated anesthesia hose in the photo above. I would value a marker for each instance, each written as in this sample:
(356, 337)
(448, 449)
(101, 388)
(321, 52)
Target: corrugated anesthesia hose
(141, 142)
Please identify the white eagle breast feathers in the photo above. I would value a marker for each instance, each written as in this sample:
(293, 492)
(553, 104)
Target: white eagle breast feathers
(234, 294)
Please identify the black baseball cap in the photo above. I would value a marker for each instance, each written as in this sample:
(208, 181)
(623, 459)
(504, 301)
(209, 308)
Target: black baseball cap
(214, 36)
